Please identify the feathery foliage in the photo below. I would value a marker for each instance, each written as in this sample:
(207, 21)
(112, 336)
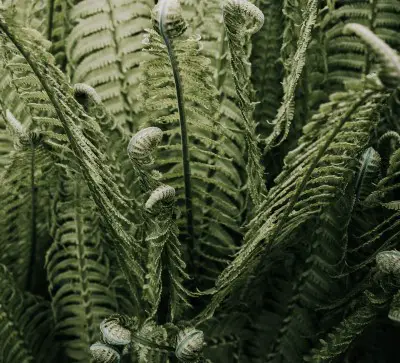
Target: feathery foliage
(199, 181)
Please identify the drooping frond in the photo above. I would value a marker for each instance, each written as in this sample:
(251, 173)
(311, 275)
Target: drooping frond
(41, 72)
(286, 110)
(348, 58)
(243, 19)
(26, 325)
(78, 270)
(104, 51)
(310, 180)
(388, 56)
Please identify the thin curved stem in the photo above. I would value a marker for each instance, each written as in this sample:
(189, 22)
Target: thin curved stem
(183, 125)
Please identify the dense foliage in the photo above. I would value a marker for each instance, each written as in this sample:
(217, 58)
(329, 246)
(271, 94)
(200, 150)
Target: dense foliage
(199, 181)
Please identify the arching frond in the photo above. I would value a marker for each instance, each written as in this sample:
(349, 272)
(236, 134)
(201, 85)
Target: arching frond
(348, 58)
(41, 72)
(310, 180)
(317, 285)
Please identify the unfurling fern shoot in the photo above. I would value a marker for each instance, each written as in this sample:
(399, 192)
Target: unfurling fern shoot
(143, 144)
(114, 333)
(189, 345)
(104, 353)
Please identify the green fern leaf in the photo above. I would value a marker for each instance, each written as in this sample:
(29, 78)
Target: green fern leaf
(70, 115)
(215, 181)
(25, 205)
(286, 111)
(310, 180)
(81, 295)
(242, 19)
(26, 326)
(104, 51)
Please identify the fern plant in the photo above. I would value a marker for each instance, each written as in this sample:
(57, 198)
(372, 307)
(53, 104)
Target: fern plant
(199, 181)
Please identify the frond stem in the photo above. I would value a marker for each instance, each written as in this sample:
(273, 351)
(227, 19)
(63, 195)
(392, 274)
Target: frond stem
(183, 125)
(50, 19)
(30, 276)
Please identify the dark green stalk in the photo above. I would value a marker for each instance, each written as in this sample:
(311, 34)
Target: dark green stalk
(30, 277)
(50, 19)
(184, 132)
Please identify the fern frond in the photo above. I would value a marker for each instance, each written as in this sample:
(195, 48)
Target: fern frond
(387, 188)
(310, 180)
(153, 333)
(70, 115)
(286, 111)
(104, 51)
(6, 143)
(208, 22)
(26, 333)
(217, 205)
(368, 175)
(242, 19)
(59, 26)
(78, 270)
(339, 340)
(316, 286)
(165, 264)
(348, 58)
(25, 204)
(375, 302)
(388, 56)
(267, 72)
